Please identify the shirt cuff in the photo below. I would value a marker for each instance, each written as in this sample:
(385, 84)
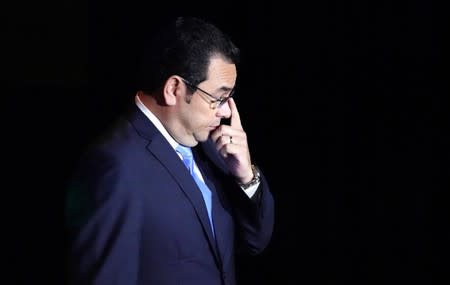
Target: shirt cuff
(250, 191)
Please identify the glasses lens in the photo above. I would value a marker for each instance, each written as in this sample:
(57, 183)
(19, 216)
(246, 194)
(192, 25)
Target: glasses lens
(224, 100)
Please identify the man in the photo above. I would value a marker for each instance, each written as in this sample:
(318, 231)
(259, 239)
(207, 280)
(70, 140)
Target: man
(139, 210)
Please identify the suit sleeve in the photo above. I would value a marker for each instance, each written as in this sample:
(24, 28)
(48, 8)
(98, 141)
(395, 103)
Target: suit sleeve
(255, 218)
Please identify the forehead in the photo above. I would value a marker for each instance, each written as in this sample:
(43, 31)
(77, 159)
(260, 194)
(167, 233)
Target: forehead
(222, 72)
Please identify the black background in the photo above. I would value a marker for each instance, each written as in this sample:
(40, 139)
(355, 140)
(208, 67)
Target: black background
(342, 102)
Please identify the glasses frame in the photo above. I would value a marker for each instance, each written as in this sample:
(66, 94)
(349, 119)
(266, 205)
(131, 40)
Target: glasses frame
(215, 102)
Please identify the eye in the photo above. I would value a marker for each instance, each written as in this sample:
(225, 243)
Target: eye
(224, 96)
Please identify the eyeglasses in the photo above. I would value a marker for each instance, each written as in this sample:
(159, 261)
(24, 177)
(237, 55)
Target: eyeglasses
(215, 102)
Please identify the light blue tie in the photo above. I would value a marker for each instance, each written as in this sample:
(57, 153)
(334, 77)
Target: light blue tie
(188, 160)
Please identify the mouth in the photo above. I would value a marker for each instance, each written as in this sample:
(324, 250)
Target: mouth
(213, 127)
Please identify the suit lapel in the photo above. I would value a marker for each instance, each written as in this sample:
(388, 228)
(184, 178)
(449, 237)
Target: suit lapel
(168, 157)
(164, 152)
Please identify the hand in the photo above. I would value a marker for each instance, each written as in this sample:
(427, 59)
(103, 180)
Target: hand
(231, 143)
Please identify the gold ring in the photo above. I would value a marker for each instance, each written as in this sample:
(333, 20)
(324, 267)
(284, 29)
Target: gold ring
(231, 139)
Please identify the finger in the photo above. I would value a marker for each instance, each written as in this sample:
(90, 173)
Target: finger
(227, 147)
(222, 130)
(221, 143)
(235, 121)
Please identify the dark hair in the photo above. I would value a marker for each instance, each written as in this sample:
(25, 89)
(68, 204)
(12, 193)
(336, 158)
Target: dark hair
(183, 47)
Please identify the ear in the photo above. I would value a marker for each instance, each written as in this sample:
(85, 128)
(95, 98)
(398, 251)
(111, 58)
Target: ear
(172, 90)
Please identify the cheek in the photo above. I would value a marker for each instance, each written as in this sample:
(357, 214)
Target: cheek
(203, 121)
(201, 115)
(203, 111)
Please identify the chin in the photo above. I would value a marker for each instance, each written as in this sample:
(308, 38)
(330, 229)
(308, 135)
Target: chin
(202, 137)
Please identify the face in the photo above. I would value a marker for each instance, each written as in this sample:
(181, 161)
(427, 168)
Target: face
(197, 116)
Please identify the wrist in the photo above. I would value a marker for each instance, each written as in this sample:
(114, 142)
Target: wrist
(255, 179)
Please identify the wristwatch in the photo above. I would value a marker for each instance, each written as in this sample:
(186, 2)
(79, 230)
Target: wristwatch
(255, 180)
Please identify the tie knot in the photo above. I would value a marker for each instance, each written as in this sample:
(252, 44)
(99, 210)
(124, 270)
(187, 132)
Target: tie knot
(188, 158)
(185, 152)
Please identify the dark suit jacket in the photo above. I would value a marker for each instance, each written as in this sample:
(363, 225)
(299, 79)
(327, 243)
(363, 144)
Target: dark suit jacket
(135, 215)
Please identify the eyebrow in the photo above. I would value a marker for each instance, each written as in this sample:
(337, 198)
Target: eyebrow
(225, 89)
